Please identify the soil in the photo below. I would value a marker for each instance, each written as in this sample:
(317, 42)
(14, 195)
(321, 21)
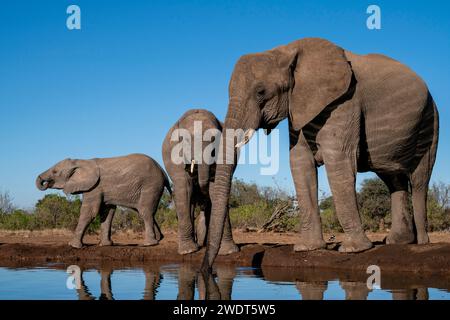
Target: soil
(265, 250)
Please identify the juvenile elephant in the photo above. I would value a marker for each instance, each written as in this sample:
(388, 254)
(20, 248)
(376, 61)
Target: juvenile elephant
(193, 177)
(134, 181)
(352, 113)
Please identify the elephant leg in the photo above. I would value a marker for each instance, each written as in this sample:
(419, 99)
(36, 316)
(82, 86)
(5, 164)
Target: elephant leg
(152, 282)
(312, 290)
(157, 230)
(201, 287)
(105, 284)
(419, 200)
(304, 173)
(226, 275)
(106, 218)
(201, 229)
(186, 282)
(83, 291)
(341, 172)
(402, 231)
(89, 209)
(147, 210)
(184, 206)
(149, 228)
(420, 179)
(355, 290)
(227, 245)
(422, 294)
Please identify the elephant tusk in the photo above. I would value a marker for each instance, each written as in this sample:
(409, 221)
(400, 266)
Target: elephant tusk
(192, 166)
(248, 134)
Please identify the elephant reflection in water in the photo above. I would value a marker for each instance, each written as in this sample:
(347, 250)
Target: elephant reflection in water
(314, 290)
(355, 290)
(410, 294)
(189, 277)
(152, 282)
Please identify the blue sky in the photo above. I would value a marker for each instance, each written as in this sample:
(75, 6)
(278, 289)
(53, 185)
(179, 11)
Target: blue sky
(118, 84)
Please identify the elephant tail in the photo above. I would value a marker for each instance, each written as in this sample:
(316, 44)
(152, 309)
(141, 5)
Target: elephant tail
(167, 183)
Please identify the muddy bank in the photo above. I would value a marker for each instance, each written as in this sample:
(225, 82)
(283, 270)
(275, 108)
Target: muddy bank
(431, 258)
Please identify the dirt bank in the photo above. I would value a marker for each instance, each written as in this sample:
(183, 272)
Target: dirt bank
(264, 250)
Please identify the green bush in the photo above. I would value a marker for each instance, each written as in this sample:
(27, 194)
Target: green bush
(56, 212)
(251, 206)
(167, 218)
(127, 219)
(438, 217)
(330, 221)
(374, 201)
(250, 215)
(18, 220)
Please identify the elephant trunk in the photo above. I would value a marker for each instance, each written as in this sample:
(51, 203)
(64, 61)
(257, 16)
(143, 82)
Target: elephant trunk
(220, 191)
(41, 183)
(203, 176)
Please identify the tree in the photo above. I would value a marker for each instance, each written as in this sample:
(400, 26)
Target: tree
(440, 192)
(243, 193)
(374, 202)
(55, 211)
(6, 204)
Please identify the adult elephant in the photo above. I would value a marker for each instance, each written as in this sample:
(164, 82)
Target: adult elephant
(350, 112)
(193, 177)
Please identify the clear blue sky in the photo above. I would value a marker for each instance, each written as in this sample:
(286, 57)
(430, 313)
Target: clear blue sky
(116, 86)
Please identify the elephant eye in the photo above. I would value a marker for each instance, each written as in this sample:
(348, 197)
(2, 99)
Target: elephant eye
(260, 92)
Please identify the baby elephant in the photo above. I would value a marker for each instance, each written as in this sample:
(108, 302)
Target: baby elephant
(192, 179)
(135, 181)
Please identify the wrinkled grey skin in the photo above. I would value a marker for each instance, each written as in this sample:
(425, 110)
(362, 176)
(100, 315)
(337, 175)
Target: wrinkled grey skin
(191, 189)
(352, 113)
(134, 181)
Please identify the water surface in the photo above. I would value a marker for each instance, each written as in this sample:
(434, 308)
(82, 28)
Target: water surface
(185, 282)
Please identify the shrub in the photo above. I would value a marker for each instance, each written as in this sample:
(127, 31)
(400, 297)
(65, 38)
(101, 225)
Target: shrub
(18, 220)
(250, 215)
(127, 219)
(374, 200)
(438, 217)
(330, 221)
(55, 211)
(251, 206)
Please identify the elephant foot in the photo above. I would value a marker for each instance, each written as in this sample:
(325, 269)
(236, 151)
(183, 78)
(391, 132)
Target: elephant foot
(228, 247)
(76, 244)
(400, 238)
(423, 238)
(106, 243)
(187, 247)
(158, 234)
(149, 243)
(309, 245)
(355, 244)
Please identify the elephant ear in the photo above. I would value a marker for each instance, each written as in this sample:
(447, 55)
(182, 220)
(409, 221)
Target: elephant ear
(321, 74)
(85, 175)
